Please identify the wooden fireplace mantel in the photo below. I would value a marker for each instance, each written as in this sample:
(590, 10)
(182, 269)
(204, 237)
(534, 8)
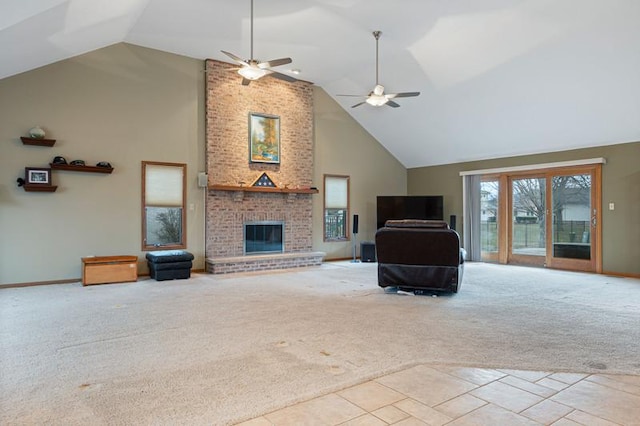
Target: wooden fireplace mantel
(263, 189)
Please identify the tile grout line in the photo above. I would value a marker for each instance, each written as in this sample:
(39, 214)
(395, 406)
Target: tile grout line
(613, 388)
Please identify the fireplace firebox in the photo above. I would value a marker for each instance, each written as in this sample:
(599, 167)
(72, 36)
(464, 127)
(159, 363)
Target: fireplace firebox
(263, 237)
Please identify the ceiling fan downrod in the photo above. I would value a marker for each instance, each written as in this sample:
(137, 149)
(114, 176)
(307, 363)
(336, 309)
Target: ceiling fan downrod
(251, 48)
(376, 34)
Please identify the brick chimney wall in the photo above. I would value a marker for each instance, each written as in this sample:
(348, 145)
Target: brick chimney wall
(228, 105)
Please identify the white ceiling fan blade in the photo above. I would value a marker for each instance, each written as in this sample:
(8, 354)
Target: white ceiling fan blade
(235, 58)
(274, 63)
(281, 76)
(402, 95)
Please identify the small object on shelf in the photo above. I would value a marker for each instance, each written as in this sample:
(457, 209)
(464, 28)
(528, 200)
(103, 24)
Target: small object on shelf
(36, 179)
(37, 133)
(59, 160)
(104, 164)
(37, 175)
(78, 163)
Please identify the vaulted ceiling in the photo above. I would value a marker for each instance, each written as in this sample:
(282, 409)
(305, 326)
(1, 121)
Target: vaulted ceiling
(497, 77)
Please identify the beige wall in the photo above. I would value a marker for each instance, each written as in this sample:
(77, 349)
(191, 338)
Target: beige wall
(343, 147)
(620, 183)
(121, 104)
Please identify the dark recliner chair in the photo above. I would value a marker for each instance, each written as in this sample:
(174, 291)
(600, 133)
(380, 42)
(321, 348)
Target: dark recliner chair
(419, 255)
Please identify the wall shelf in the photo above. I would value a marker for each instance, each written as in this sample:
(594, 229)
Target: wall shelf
(30, 187)
(38, 142)
(263, 189)
(88, 169)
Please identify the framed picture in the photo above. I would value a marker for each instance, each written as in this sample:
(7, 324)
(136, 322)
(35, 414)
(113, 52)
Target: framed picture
(264, 138)
(37, 176)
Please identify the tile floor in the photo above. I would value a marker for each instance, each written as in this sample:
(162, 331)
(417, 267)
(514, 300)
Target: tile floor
(437, 395)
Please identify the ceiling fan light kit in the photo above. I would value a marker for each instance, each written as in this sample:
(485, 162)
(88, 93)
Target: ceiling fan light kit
(377, 97)
(252, 73)
(252, 69)
(376, 100)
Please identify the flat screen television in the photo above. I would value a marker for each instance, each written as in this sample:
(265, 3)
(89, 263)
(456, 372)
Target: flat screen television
(429, 207)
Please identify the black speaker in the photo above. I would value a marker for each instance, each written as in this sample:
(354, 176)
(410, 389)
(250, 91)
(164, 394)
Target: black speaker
(367, 252)
(452, 222)
(355, 223)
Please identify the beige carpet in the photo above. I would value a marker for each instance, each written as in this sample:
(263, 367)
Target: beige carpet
(220, 349)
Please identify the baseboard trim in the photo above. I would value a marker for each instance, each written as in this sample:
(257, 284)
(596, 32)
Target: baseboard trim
(36, 283)
(618, 274)
(73, 280)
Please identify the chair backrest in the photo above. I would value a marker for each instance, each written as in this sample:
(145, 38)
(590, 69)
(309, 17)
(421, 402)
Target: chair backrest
(416, 223)
(410, 244)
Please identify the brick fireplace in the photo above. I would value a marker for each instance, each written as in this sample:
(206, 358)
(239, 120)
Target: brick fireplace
(232, 200)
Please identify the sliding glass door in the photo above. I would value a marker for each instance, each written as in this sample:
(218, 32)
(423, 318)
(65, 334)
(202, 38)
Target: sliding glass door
(547, 217)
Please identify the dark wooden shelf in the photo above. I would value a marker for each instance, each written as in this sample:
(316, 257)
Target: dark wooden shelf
(39, 142)
(263, 189)
(88, 169)
(31, 187)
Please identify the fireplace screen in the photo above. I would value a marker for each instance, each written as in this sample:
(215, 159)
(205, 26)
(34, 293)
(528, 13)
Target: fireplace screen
(263, 237)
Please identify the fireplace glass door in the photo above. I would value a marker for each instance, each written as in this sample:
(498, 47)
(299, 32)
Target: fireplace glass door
(263, 237)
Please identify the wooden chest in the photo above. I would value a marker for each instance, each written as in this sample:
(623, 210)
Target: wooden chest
(109, 269)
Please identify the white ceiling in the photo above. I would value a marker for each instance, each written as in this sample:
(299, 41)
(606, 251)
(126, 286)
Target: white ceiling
(497, 77)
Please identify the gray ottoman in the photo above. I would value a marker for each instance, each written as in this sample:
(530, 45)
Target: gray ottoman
(169, 264)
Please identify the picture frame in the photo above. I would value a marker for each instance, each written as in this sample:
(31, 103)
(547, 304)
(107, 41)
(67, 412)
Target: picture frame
(264, 138)
(37, 175)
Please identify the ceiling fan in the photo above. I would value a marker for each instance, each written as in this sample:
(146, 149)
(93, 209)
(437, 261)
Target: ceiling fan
(377, 97)
(252, 69)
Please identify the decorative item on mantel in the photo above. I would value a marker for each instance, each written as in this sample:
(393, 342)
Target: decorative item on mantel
(265, 181)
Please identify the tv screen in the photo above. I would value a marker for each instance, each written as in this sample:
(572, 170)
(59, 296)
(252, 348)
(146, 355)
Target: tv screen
(389, 207)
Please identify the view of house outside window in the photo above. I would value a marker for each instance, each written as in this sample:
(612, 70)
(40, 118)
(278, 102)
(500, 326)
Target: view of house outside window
(336, 208)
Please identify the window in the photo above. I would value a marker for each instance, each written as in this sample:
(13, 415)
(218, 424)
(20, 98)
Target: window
(163, 205)
(336, 207)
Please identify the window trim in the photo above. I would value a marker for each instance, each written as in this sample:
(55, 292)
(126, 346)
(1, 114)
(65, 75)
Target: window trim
(347, 228)
(183, 243)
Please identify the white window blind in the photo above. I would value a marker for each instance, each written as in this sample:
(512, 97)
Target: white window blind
(336, 194)
(163, 185)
